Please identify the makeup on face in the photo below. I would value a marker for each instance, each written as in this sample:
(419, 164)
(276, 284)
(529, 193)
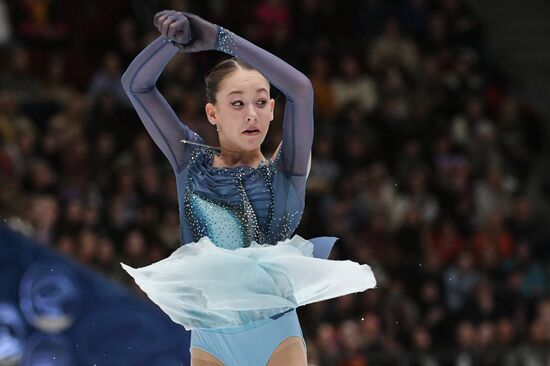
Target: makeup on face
(244, 107)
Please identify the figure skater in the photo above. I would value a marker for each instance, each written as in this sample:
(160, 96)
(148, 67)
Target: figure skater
(237, 281)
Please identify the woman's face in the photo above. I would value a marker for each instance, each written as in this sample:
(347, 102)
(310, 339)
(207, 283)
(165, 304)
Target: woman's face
(243, 110)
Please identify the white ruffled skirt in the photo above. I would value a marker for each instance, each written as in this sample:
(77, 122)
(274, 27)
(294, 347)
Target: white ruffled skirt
(201, 285)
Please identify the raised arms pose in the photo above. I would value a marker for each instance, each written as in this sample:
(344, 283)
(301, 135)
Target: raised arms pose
(237, 281)
(161, 122)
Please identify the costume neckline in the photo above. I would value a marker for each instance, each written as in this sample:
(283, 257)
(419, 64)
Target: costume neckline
(210, 159)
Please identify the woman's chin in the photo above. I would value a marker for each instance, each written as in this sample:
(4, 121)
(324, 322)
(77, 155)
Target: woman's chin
(251, 147)
(252, 142)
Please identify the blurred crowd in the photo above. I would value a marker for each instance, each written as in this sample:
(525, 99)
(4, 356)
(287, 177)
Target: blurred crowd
(421, 164)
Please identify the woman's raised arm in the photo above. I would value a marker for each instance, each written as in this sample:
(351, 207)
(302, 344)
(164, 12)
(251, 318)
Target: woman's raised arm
(298, 118)
(165, 128)
(193, 34)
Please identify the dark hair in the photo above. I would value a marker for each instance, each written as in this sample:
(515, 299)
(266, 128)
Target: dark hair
(219, 73)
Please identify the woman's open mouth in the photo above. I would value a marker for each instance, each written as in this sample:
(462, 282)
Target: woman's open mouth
(252, 132)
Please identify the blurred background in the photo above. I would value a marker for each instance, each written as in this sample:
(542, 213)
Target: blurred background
(429, 161)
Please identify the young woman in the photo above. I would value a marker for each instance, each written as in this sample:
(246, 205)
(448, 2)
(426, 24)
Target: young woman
(237, 281)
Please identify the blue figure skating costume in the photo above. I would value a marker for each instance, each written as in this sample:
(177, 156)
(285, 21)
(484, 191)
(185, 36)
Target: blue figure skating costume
(241, 274)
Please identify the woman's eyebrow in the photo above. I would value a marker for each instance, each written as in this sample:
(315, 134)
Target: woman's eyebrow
(241, 92)
(236, 92)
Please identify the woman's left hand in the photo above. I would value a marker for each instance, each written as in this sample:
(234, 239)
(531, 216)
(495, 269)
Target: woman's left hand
(189, 32)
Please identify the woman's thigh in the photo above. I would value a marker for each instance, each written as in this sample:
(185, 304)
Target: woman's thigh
(203, 358)
(290, 352)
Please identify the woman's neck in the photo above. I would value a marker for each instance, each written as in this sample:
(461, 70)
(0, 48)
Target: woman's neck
(230, 159)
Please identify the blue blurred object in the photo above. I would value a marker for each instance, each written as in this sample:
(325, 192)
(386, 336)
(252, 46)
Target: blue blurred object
(54, 311)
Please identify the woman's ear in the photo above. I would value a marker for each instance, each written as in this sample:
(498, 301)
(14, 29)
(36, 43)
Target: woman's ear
(272, 106)
(211, 113)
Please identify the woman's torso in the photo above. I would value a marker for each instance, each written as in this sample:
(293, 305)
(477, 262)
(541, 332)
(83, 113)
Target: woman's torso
(238, 205)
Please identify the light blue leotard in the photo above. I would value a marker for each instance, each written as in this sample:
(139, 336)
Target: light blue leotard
(233, 206)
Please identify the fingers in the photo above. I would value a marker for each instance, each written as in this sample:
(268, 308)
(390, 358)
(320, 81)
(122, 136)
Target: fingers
(180, 30)
(164, 25)
(156, 19)
(165, 22)
(164, 19)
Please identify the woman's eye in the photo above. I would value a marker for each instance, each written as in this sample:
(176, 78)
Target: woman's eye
(237, 103)
(262, 102)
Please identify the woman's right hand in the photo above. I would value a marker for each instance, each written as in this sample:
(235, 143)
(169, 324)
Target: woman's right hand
(189, 32)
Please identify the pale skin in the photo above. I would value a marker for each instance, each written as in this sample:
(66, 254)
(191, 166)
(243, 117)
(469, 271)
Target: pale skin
(243, 103)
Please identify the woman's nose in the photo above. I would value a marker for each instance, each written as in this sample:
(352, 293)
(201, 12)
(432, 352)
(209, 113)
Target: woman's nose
(251, 115)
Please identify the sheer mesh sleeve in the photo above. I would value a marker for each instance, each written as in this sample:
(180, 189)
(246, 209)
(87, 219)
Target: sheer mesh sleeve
(298, 118)
(165, 128)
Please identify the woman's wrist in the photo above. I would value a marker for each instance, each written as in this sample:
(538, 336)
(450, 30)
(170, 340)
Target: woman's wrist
(225, 42)
(173, 42)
